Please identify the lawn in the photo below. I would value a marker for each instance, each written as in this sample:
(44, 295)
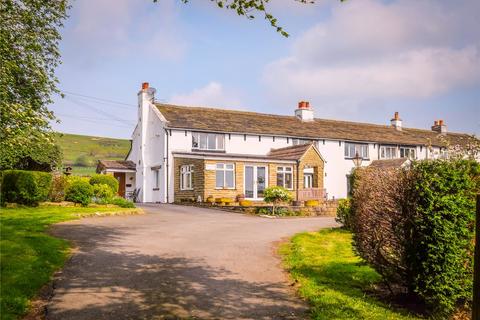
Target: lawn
(28, 256)
(332, 278)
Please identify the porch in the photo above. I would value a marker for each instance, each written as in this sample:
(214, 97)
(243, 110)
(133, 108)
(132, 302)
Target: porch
(124, 172)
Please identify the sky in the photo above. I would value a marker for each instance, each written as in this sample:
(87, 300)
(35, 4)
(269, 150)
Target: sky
(359, 60)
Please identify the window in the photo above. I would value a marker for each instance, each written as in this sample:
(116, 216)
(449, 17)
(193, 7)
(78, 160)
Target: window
(186, 174)
(308, 180)
(208, 141)
(388, 152)
(225, 175)
(300, 141)
(156, 178)
(406, 152)
(285, 177)
(351, 149)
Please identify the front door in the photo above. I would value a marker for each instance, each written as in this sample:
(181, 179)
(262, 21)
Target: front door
(255, 182)
(308, 180)
(120, 176)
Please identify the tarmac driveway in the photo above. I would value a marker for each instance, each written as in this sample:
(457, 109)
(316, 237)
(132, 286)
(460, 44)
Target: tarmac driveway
(177, 262)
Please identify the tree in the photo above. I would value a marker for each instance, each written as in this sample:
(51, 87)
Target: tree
(29, 54)
(276, 195)
(247, 8)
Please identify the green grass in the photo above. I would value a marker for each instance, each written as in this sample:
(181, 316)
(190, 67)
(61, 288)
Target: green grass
(93, 148)
(28, 256)
(333, 279)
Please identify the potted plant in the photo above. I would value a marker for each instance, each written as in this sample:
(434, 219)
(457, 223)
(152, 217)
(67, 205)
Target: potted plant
(240, 197)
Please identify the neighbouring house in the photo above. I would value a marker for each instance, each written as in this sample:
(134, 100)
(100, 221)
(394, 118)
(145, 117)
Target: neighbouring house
(190, 153)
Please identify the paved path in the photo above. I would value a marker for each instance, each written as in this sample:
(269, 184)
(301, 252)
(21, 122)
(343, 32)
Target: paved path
(177, 262)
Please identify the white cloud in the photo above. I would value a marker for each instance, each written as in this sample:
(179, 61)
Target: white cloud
(212, 95)
(372, 49)
(112, 28)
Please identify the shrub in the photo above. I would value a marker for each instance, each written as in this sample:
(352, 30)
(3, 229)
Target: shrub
(105, 179)
(25, 187)
(415, 227)
(57, 190)
(121, 202)
(276, 195)
(84, 161)
(79, 191)
(102, 192)
(210, 199)
(280, 211)
(344, 213)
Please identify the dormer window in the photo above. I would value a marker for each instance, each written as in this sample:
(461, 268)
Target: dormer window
(208, 141)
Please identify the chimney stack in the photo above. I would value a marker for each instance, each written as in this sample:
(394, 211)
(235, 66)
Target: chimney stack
(439, 126)
(304, 112)
(396, 122)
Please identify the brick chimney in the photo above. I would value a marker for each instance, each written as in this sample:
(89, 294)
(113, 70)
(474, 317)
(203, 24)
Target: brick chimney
(439, 126)
(396, 122)
(304, 112)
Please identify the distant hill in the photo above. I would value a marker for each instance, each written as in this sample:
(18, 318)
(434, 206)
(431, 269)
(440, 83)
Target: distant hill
(82, 152)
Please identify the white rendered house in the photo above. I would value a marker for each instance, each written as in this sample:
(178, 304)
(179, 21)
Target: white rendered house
(192, 153)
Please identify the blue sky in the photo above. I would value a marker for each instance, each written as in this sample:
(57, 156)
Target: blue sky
(359, 60)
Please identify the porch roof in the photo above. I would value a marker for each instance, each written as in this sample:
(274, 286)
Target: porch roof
(116, 166)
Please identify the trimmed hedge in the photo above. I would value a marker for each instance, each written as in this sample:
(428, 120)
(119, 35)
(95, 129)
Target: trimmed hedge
(25, 187)
(79, 191)
(416, 228)
(105, 179)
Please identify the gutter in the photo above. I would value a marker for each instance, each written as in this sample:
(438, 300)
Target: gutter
(298, 177)
(167, 171)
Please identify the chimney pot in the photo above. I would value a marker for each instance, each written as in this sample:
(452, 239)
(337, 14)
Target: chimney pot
(307, 105)
(440, 122)
(396, 115)
(304, 111)
(145, 86)
(435, 123)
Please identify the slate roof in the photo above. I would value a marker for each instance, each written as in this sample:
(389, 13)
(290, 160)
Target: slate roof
(389, 163)
(115, 164)
(289, 153)
(243, 122)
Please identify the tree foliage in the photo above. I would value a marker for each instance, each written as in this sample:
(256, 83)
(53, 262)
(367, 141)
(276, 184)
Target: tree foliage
(248, 8)
(29, 54)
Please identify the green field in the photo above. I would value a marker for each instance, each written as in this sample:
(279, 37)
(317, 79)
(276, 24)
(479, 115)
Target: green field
(333, 279)
(82, 152)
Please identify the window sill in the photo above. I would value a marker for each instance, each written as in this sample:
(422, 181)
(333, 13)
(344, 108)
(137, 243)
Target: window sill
(363, 159)
(186, 189)
(225, 188)
(208, 150)
(156, 189)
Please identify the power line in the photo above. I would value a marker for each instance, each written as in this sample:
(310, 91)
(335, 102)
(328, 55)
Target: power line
(97, 98)
(90, 118)
(84, 119)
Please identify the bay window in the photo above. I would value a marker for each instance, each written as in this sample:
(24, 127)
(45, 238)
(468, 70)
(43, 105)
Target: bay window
(225, 176)
(285, 177)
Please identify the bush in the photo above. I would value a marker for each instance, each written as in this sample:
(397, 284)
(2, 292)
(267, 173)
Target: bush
(276, 195)
(121, 202)
(57, 190)
(84, 161)
(415, 227)
(79, 191)
(280, 211)
(344, 213)
(25, 187)
(102, 192)
(105, 179)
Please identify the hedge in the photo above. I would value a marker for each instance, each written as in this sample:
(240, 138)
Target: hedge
(416, 228)
(25, 187)
(79, 191)
(105, 179)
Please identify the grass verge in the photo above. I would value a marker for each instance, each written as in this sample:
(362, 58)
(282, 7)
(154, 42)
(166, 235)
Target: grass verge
(333, 279)
(29, 256)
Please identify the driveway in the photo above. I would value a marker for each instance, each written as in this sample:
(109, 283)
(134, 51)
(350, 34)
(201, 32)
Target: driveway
(177, 262)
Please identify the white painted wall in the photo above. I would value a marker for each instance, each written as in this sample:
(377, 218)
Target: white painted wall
(149, 149)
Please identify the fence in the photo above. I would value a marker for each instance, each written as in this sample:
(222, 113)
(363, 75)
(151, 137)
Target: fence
(311, 194)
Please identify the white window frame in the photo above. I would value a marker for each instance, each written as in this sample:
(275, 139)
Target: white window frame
(409, 151)
(225, 167)
(202, 140)
(186, 177)
(156, 179)
(296, 141)
(384, 150)
(351, 149)
(283, 171)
